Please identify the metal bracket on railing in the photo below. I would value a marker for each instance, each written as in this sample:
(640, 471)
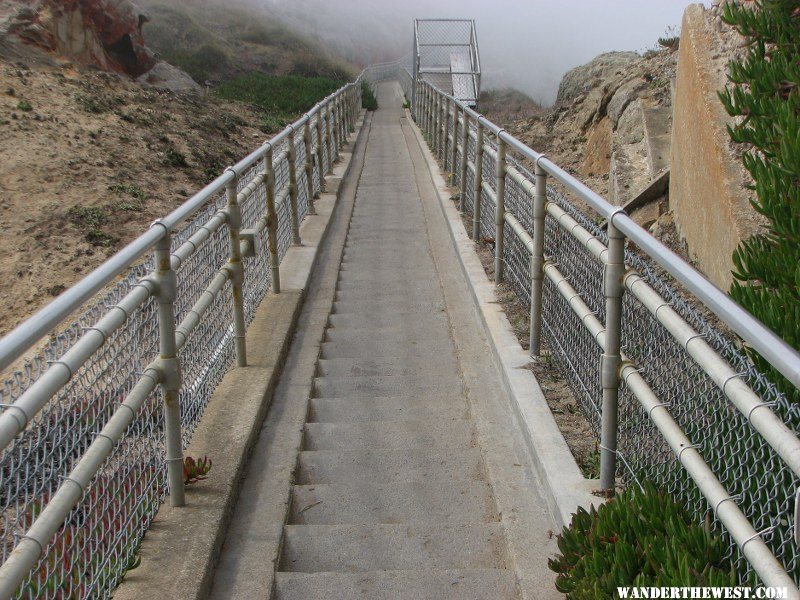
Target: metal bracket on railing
(252, 239)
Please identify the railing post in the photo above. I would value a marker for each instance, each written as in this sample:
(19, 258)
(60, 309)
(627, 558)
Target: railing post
(423, 109)
(429, 116)
(170, 365)
(236, 267)
(477, 185)
(454, 144)
(435, 123)
(443, 115)
(333, 118)
(293, 189)
(342, 118)
(310, 164)
(462, 198)
(610, 360)
(351, 121)
(321, 148)
(500, 212)
(426, 113)
(537, 259)
(272, 223)
(331, 125)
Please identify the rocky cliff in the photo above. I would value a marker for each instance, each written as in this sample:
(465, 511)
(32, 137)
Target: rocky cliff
(610, 126)
(104, 34)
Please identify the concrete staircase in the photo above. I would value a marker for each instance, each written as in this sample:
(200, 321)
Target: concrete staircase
(391, 498)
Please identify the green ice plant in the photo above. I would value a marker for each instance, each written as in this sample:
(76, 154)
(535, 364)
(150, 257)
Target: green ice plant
(641, 537)
(764, 93)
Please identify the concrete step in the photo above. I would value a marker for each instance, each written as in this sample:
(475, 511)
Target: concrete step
(372, 387)
(389, 283)
(410, 330)
(377, 367)
(355, 548)
(418, 300)
(387, 304)
(453, 584)
(392, 464)
(389, 434)
(393, 408)
(379, 348)
(385, 319)
(460, 501)
(377, 273)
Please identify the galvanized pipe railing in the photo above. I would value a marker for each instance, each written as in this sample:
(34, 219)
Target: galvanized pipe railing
(615, 367)
(341, 109)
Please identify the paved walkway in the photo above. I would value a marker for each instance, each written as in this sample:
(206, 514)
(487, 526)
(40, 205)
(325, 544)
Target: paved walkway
(409, 481)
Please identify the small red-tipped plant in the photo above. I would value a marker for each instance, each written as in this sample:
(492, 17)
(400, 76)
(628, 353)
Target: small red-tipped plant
(195, 470)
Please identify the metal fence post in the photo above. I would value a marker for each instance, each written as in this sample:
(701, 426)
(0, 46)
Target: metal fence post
(462, 198)
(610, 360)
(500, 212)
(319, 150)
(236, 267)
(423, 107)
(454, 144)
(435, 123)
(170, 365)
(537, 259)
(443, 117)
(428, 108)
(293, 189)
(333, 122)
(272, 223)
(309, 166)
(477, 185)
(343, 119)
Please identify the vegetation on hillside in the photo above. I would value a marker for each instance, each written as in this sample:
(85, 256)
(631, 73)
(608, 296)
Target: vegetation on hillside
(281, 98)
(218, 42)
(641, 537)
(765, 92)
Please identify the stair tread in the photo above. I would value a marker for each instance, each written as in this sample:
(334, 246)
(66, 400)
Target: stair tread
(389, 434)
(383, 367)
(455, 501)
(353, 548)
(389, 464)
(444, 584)
(371, 386)
(389, 408)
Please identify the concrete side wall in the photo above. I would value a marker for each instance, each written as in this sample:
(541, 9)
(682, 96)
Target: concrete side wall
(706, 193)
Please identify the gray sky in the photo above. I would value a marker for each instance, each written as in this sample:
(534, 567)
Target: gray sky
(527, 44)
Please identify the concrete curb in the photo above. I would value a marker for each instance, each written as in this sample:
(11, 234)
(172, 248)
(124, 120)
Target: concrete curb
(565, 488)
(182, 546)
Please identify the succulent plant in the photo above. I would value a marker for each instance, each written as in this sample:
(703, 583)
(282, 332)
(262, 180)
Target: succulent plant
(639, 538)
(764, 91)
(195, 470)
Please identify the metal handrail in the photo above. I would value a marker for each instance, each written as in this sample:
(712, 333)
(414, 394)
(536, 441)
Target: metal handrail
(336, 112)
(440, 115)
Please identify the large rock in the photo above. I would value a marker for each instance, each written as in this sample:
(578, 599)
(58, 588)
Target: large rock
(168, 77)
(708, 192)
(105, 33)
(597, 72)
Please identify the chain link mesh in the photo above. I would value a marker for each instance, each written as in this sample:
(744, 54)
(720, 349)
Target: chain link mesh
(99, 540)
(753, 473)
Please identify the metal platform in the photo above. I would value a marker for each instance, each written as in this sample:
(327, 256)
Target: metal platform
(446, 55)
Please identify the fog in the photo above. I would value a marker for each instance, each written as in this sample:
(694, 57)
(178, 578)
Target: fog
(526, 44)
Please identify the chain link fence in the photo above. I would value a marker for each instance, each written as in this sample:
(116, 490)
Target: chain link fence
(758, 480)
(97, 542)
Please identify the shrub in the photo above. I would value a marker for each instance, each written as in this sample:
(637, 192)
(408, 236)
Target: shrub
(368, 99)
(764, 91)
(280, 95)
(639, 538)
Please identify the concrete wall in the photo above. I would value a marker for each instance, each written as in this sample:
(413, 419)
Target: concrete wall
(706, 192)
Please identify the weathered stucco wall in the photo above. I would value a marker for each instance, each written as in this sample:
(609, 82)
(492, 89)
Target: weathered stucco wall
(707, 191)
